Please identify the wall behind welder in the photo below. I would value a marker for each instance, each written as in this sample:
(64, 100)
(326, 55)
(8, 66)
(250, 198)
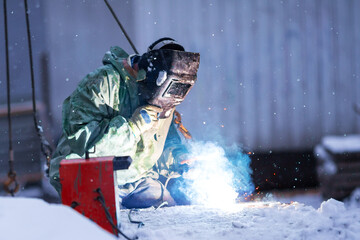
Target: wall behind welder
(274, 75)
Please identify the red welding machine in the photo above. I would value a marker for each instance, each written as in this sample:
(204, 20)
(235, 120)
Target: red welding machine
(89, 186)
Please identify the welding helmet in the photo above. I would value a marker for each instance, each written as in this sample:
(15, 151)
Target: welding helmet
(170, 74)
(166, 43)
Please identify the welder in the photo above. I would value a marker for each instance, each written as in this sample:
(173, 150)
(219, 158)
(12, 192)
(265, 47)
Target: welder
(126, 108)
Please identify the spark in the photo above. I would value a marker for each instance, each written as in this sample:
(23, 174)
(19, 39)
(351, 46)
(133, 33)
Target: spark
(213, 181)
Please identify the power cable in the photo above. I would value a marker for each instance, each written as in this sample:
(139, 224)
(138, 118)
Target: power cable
(45, 146)
(120, 25)
(11, 174)
(101, 199)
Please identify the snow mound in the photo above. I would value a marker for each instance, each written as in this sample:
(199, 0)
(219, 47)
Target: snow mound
(34, 219)
(253, 220)
(262, 220)
(332, 208)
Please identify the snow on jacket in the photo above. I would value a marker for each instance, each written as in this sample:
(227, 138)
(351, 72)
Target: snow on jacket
(97, 113)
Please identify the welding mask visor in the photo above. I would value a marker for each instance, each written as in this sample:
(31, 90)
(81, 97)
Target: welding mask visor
(170, 74)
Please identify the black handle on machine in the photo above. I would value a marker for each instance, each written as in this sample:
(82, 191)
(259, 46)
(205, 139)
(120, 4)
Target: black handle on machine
(121, 163)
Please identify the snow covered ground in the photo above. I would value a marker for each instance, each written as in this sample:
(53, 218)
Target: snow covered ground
(273, 218)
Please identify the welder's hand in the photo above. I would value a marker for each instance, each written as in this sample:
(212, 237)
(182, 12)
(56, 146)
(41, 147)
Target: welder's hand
(181, 163)
(145, 119)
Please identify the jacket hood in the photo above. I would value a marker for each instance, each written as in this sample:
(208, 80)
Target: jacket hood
(115, 57)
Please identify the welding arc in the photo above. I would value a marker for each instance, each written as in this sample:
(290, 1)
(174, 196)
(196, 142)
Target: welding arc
(45, 146)
(120, 25)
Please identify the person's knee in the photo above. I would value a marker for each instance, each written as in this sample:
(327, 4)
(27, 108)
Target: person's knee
(149, 192)
(176, 188)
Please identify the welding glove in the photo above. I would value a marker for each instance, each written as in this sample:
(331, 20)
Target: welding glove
(145, 120)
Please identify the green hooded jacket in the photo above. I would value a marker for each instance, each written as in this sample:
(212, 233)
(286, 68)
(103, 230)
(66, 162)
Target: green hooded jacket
(97, 113)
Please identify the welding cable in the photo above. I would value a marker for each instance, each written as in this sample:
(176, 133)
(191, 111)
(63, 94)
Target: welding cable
(101, 199)
(120, 25)
(163, 204)
(11, 174)
(140, 223)
(45, 146)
